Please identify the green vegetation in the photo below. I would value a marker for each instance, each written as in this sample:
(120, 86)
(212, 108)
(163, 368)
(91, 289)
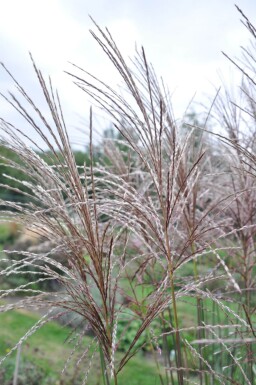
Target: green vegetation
(12, 176)
(8, 233)
(45, 352)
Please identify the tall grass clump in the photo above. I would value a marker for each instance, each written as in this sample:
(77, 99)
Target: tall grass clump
(157, 235)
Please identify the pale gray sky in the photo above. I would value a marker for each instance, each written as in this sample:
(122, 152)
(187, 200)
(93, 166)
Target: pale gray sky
(182, 38)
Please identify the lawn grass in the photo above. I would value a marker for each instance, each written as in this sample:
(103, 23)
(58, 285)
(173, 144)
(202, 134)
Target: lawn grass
(47, 350)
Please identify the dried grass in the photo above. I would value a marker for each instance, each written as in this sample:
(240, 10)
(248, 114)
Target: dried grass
(164, 197)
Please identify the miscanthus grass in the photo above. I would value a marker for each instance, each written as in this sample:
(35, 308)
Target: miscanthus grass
(161, 227)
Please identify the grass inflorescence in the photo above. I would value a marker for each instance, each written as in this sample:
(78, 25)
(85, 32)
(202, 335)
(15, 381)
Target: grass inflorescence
(153, 242)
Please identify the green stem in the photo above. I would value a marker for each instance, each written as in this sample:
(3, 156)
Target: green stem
(175, 312)
(177, 333)
(115, 378)
(200, 319)
(103, 368)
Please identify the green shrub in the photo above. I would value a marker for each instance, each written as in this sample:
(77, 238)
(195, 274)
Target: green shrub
(8, 232)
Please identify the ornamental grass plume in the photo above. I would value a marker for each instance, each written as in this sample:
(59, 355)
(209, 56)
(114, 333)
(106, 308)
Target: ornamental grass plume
(236, 114)
(127, 228)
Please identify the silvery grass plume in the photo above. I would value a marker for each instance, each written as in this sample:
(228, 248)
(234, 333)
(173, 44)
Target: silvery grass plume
(236, 114)
(140, 217)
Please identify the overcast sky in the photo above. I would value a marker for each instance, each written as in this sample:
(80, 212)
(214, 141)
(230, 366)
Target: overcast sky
(182, 38)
